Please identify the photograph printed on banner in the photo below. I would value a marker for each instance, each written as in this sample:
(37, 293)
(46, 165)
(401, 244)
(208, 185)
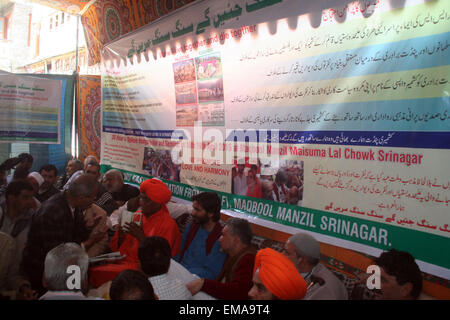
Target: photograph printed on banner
(186, 115)
(159, 164)
(209, 66)
(283, 184)
(184, 71)
(210, 90)
(186, 93)
(211, 114)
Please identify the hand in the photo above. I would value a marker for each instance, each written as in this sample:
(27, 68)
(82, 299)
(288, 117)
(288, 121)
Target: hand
(10, 163)
(93, 215)
(135, 230)
(195, 286)
(26, 293)
(96, 235)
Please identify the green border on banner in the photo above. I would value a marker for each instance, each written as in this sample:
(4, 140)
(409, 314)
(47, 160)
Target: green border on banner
(423, 246)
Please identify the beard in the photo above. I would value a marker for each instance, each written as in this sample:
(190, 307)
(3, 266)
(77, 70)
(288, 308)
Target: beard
(200, 220)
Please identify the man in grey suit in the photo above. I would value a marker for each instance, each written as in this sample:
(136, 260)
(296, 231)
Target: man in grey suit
(304, 251)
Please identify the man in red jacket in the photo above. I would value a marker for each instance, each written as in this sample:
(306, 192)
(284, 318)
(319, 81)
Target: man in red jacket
(235, 279)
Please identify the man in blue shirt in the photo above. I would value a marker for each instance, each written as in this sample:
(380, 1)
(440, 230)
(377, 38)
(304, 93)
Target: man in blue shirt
(200, 250)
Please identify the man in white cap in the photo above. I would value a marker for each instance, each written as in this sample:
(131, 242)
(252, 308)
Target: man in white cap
(36, 181)
(304, 251)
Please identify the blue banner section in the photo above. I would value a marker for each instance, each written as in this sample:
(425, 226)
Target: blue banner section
(401, 139)
(407, 139)
(155, 134)
(423, 52)
(29, 134)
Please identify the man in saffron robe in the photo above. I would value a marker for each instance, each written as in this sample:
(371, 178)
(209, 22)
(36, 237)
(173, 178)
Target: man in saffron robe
(156, 221)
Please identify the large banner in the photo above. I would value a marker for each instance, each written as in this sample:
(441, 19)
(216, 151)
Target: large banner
(29, 109)
(334, 121)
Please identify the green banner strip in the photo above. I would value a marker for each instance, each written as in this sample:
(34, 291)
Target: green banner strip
(423, 246)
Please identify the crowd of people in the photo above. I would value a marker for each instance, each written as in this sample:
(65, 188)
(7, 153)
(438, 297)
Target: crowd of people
(51, 225)
(285, 185)
(159, 164)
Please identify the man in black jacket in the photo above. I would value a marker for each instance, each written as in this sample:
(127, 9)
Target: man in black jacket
(60, 219)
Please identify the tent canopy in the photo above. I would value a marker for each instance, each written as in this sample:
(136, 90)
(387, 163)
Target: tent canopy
(107, 20)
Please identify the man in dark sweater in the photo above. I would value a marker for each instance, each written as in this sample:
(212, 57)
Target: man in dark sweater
(48, 189)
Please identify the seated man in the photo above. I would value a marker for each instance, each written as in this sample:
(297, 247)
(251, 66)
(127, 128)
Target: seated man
(156, 221)
(275, 277)
(48, 189)
(131, 285)
(58, 279)
(120, 191)
(73, 166)
(154, 258)
(12, 284)
(200, 250)
(401, 278)
(304, 251)
(103, 199)
(16, 213)
(235, 279)
(36, 181)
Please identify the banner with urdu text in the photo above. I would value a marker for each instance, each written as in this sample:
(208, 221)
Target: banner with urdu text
(331, 120)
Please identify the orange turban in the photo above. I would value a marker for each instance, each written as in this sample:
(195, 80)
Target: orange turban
(279, 275)
(156, 190)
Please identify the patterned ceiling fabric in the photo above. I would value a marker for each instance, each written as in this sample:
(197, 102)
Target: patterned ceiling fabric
(106, 20)
(89, 116)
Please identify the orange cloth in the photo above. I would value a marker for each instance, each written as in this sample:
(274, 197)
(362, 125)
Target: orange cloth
(156, 190)
(279, 275)
(159, 224)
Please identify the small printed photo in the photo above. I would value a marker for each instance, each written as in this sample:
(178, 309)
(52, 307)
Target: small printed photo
(184, 71)
(287, 182)
(282, 184)
(212, 114)
(209, 66)
(186, 93)
(186, 115)
(159, 164)
(210, 90)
